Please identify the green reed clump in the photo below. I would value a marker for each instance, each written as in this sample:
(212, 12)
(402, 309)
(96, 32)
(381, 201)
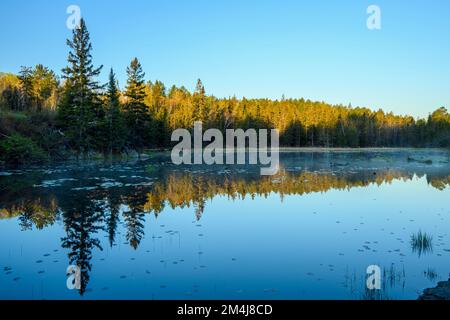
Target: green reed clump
(431, 274)
(422, 243)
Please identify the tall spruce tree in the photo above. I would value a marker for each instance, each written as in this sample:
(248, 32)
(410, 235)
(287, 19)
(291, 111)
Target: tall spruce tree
(80, 111)
(200, 105)
(137, 115)
(155, 101)
(114, 122)
(26, 83)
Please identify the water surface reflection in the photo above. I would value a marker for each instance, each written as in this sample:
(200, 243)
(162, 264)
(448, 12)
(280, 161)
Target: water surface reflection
(152, 230)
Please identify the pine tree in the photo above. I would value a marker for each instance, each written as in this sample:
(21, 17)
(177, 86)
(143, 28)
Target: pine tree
(26, 84)
(45, 84)
(114, 124)
(156, 103)
(80, 112)
(200, 105)
(134, 222)
(137, 116)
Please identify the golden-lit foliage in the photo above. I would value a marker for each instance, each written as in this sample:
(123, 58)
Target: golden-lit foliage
(184, 190)
(38, 212)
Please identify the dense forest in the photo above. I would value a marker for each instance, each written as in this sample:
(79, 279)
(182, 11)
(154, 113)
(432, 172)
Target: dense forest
(44, 116)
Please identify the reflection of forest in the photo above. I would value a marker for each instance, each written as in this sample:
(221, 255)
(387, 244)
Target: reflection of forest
(181, 189)
(86, 212)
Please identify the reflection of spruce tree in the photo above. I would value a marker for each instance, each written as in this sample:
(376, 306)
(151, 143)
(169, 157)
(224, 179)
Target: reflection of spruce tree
(82, 218)
(199, 198)
(199, 209)
(113, 218)
(134, 217)
(134, 221)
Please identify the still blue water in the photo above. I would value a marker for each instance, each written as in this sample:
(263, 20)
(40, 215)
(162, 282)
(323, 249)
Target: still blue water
(151, 230)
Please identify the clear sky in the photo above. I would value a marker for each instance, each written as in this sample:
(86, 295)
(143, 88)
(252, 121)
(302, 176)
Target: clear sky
(317, 49)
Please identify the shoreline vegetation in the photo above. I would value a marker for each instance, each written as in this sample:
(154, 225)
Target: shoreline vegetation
(45, 117)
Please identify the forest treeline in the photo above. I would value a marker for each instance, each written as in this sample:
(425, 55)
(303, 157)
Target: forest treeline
(44, 116)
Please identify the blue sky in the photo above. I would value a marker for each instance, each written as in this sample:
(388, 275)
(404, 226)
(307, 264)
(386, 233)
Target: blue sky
(321, 50)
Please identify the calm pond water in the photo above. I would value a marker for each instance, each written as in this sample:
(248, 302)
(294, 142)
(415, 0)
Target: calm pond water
(152, 230)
